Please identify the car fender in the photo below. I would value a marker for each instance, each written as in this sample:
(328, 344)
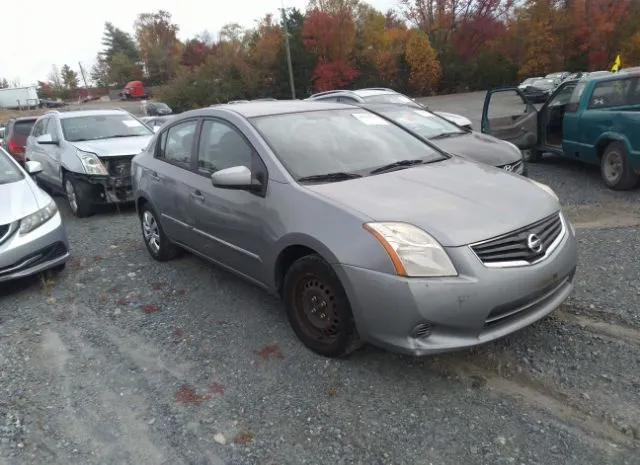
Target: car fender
(609, 136)
(70, 162)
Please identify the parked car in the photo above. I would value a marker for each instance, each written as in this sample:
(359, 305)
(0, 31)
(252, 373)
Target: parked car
(155, 122)
(452, 139)
(383, 95)
(157, 109)
(87, 154)
(560, 75)
(32, 236)
(540, 90)
(366, 232)
(594, 120)
(15, 137)
(527, 82)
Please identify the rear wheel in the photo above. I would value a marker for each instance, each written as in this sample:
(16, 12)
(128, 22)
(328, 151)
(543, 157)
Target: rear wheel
(318, 308)
(615, 169)
(78, 197)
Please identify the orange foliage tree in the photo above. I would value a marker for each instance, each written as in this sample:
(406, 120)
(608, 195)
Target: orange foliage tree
(423, 64)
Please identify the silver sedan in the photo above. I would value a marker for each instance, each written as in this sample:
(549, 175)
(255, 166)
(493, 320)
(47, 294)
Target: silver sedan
(367, 232)
(32, 235)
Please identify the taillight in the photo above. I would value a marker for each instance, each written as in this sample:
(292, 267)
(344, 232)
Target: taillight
(15, 149)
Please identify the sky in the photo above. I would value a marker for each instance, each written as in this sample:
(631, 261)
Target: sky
(39, 34)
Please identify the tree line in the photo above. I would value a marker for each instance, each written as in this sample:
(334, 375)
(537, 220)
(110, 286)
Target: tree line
(420, 48)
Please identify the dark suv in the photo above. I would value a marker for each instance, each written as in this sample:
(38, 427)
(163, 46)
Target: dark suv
(15, 136)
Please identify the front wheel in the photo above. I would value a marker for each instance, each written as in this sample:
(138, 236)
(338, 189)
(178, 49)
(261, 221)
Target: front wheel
(157, 242)
(318, 308)
(615, 169)
(78, 197)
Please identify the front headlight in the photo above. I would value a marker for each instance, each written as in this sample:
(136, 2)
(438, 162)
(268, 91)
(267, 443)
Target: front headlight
(31, 222)
(92, 164)
(413, 252)
(546, 188)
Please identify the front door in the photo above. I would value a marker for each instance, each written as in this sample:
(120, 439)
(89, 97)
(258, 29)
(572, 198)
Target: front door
(230, 222)
(52, 154)
(552, 117)
(170, 177)
(508, 115)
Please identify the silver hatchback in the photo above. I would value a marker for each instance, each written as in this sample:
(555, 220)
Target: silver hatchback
(368, 233)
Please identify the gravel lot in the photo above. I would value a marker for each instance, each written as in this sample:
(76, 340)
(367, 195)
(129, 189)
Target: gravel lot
(123, 360)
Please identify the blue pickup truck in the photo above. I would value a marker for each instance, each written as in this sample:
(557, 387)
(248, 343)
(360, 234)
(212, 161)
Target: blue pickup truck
(595, 120)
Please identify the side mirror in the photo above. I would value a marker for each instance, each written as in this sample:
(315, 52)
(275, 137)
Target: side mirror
(235, 177)
(33, 167)
(46, 139)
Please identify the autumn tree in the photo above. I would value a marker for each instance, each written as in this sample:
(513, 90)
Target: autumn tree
(262, 55)
(119, 52)
(423, 64)
(4, 84)
(69, 77)
(194, 54)
(158, 45)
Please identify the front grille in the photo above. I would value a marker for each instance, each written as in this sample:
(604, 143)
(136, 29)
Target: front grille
(6, 230)
(44, 255)
(523, 246)
(515, 167)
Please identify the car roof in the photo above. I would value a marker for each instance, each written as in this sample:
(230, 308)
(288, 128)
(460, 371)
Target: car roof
(76, 113)
(25, 119)
(269, 108)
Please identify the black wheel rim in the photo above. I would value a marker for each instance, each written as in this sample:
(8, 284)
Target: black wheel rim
(316, 308)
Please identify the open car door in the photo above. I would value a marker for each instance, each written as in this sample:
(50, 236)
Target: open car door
(508, 115)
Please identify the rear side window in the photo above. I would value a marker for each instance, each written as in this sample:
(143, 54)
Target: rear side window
(610, 94)
(23, 128)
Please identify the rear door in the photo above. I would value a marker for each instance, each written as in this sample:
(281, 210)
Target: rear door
(508, 115)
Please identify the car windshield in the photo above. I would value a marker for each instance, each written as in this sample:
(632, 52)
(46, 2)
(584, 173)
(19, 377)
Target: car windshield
(389, 98)
(543, 83)
(92, 127)
(420, 121)
(9, 172)
(316, 143)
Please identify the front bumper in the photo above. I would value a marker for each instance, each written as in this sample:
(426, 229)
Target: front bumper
(421, 316)
(43, 248)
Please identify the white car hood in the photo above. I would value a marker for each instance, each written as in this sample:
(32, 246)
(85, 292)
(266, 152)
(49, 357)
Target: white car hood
(20, 199)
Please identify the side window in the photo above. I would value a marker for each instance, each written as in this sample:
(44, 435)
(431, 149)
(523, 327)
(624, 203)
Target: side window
(222, 146)
(563, 97)
(176, 144)
(38, 128)
(574, 99)
(610, 94)
(634, 93)
(347, 100)
(51, 127)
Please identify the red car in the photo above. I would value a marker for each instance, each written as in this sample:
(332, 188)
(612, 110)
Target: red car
(15, 136)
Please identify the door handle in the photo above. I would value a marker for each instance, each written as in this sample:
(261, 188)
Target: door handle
(197, 195)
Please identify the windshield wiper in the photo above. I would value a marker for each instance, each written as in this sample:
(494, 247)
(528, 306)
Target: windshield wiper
(330, 177)
(117, 135)
(445, 135)
(397, 165)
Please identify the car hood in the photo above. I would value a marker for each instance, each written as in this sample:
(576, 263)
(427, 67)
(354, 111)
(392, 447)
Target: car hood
(457, 201)
(457, 119)
(20, 199)
(480, 147)
(114, 147)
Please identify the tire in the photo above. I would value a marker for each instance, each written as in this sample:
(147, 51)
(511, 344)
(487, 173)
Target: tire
(158, 244)
(615, 169)
(318, 308)
(78, 197)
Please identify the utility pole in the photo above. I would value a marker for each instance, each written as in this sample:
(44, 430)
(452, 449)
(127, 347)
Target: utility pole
(86, 87)
(288, 49)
